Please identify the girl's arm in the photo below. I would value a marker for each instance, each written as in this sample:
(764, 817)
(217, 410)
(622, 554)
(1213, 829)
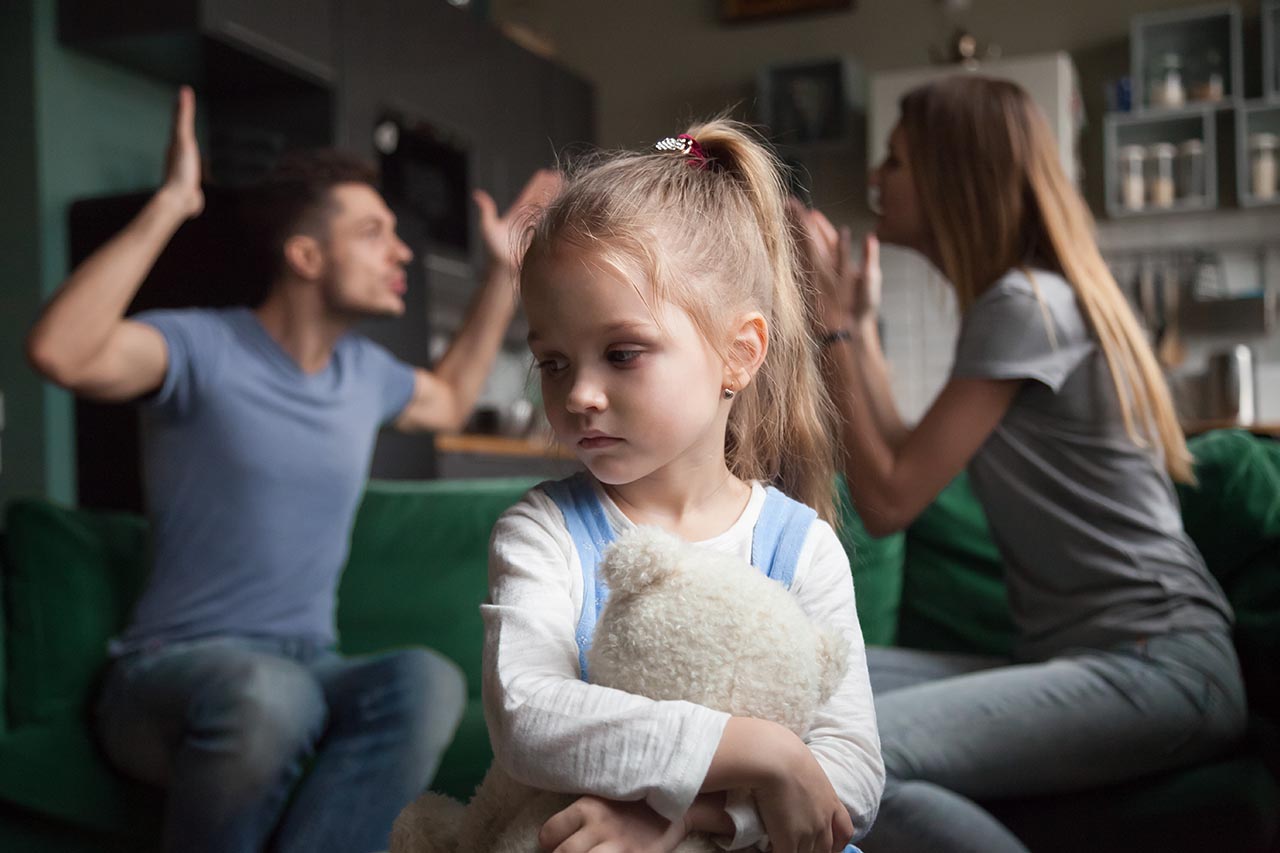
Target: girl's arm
(550, 729)
(843, 741)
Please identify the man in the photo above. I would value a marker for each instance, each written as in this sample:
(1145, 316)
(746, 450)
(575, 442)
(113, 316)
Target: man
(258, 430)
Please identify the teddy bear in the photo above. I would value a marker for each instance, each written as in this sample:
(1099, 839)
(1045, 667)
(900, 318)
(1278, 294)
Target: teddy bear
(682, 622)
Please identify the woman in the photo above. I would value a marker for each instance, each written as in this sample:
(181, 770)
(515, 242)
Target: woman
(1056, 407)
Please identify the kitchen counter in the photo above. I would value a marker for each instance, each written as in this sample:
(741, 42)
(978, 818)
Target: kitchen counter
(1266, 428)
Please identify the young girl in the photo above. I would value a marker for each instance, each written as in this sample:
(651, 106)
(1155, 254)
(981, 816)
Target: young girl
(667, 322)
(1056, 406)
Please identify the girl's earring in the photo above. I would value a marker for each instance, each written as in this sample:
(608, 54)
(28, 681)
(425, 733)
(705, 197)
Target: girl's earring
(728, 393)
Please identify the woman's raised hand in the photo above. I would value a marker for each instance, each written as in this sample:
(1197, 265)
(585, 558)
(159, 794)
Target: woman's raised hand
(844, 292)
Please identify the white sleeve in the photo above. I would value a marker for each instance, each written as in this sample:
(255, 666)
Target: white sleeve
(550, 729)
(844, 738)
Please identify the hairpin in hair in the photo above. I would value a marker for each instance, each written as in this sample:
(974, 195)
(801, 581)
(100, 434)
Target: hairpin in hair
(686, 145)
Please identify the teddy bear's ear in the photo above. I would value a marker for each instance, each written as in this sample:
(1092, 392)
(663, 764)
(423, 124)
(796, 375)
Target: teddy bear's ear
(640, 558)
(833, 661)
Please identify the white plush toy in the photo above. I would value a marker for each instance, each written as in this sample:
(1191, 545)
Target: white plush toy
(682, 622)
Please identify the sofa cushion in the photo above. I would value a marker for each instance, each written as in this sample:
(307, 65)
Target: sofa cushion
(1233, 511)
(953, 596)
(877, 571)
(55, 770)
(1233, 514)
(70, 579)
(1224, 805)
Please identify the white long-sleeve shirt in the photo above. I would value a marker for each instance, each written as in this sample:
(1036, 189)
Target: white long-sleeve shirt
(551, 730)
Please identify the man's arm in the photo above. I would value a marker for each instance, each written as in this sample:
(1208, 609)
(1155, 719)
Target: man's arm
(444, 397)
(81, 340)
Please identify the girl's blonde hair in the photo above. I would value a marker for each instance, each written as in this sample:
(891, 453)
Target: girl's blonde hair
(995, 198)
(711, 235)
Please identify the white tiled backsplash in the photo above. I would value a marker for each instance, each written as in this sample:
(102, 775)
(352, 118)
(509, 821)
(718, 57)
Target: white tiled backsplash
(919, 326)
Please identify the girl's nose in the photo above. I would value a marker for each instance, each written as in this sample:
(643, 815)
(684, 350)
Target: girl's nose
(585, 394)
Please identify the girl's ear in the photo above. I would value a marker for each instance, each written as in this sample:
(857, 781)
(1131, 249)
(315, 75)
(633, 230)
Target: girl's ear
(304, 256)
(747, 348)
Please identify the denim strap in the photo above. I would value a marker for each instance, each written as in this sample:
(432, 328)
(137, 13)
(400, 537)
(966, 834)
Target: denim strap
(779, 536)
(591, 532)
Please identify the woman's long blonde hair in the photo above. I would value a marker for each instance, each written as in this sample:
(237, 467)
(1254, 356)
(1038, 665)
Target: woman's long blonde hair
(995, 198)
(712, 236)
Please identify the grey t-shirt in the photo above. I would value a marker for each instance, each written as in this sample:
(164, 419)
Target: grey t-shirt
(1087, 522)
(253, 471)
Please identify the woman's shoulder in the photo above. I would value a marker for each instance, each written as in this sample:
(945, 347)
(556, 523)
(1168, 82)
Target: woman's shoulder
(1033, 282)
(1029, 293)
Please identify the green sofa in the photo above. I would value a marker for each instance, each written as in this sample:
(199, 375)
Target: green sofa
(417, 575)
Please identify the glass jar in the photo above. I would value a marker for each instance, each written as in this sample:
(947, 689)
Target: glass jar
(1262, 165)
(1160, 184)
(1207, 84)
(1129, 169)
(1191, 183)
(1166, 83)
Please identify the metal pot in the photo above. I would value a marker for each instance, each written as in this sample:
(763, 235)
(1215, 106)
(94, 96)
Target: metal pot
(1230, 386)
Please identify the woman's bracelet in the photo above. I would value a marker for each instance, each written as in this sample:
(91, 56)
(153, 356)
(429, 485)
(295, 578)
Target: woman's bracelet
(841, 334)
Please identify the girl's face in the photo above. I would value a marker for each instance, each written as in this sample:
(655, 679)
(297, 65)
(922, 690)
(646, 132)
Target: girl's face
(634, 395)
(901, 220)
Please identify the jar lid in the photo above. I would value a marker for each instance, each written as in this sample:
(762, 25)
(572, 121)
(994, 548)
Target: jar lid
(1132, 152)
(1263, 140)
(1162, 149)
(1191, 146)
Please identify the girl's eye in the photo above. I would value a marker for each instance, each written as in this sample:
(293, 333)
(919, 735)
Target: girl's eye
(551, 365)
(623, 356)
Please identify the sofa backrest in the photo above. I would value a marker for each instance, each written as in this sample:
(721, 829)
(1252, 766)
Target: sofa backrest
(418, 569)
(70, 577)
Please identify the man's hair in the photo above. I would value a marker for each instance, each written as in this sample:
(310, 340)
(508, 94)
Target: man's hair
(295, 198)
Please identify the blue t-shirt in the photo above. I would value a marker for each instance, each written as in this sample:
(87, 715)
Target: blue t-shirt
(254, 470)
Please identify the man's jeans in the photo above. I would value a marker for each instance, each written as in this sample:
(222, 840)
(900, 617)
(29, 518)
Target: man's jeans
(229, 725)
(958, 728)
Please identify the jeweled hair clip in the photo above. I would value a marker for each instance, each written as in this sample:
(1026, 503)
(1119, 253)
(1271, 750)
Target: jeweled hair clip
(683, 144)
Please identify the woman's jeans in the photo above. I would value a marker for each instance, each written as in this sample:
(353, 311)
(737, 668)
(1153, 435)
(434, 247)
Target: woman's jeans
(229, 725)
(955, 729)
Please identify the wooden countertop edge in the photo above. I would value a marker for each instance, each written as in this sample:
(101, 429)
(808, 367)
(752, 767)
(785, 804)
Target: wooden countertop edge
(1271, 428)
(501, 445)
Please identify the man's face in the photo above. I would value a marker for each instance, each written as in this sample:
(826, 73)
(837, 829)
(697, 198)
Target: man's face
(364, 258)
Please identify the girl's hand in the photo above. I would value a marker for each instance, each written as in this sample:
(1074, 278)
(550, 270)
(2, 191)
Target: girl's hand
(844, 291)
(594, 823)
(798, 806)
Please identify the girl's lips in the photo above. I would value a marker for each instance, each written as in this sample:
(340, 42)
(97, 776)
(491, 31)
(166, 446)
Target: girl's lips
(595, 442)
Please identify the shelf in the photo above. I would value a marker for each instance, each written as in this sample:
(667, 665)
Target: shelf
(1255, 314)
(1195, 36)
(1146, 129)
(1254, 117)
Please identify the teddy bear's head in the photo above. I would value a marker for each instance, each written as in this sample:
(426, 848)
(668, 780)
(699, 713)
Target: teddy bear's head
(686, 622)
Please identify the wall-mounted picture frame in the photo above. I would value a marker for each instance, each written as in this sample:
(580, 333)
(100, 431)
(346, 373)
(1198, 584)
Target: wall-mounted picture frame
(751, 10)
(812, 103)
